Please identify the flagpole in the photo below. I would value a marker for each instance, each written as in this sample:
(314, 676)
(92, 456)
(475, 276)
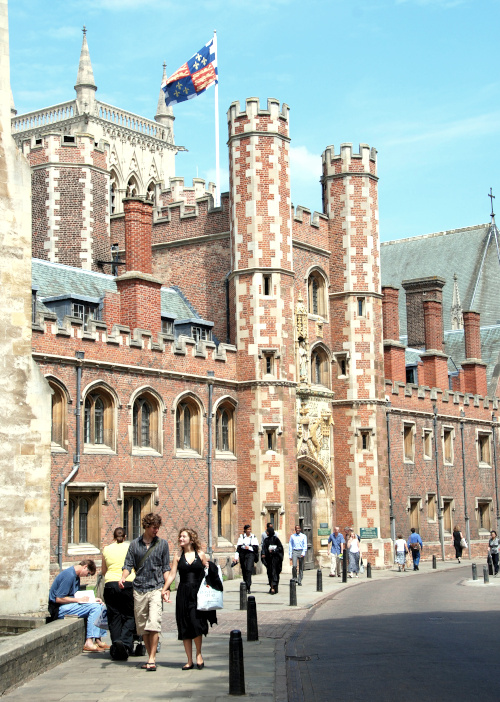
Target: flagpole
(217, 165)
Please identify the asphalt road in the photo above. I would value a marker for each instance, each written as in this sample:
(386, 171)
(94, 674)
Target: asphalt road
(415, 637)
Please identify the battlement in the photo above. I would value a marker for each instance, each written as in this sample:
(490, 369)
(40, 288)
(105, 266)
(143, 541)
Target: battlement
(178, 192)
(54, 147)
(363, 162)
(158, 353)
(450, 398)
(256, 119)
(309, 228)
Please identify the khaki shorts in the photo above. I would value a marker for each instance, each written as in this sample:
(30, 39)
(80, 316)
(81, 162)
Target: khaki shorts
(147, 611)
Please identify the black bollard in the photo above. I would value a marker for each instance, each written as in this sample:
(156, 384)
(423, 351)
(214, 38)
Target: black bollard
(319, 580)
(252, 627)
(474, 571)
(434, 563)
(243, 596)
(236, 667)
(293, 593)
(486, 575)
(344, 567)
(368, 570)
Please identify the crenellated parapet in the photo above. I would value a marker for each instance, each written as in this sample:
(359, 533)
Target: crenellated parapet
(256, 120)
(123, 347)
(365, 161)
(403, 396)
(178, 192)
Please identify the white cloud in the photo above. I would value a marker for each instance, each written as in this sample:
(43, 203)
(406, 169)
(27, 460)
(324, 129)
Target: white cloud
(480, 125)
(304, 165)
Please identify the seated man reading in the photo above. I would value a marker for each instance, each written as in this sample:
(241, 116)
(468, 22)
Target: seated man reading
(62, 602)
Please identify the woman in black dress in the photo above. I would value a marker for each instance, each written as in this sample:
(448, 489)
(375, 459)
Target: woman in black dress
(272, 557)
(456, 542)
(192, 624)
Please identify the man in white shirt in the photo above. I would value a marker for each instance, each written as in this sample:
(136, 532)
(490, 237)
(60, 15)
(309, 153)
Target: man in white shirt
(247, 553)
(297, 549)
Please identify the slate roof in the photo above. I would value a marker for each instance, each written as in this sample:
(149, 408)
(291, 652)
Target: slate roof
(442, 254)
(53, 279)
(454, 347)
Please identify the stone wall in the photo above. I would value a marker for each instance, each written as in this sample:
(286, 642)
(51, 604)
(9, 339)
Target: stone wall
(25, 397)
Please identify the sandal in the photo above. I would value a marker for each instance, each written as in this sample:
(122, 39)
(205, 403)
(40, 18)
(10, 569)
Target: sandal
(151, 667)
(92, 649)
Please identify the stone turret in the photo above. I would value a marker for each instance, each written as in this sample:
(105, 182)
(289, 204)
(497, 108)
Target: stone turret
(262, 295)
(350, 199)
(85, 84)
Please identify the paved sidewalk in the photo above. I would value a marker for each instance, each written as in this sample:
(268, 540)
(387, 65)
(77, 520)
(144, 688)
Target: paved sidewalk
(94, 677)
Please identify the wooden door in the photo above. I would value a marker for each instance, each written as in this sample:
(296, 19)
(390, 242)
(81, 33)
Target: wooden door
(305, 520)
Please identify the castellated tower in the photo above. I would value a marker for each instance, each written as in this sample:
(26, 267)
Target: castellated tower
(351, 202)
(262, 313)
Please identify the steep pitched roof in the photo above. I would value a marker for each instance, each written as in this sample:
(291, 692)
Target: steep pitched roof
(53, 279)
(457, 251)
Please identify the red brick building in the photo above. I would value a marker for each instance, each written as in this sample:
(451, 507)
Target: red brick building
(241, 363)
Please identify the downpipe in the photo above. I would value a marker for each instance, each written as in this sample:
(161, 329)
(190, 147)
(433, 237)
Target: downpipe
(76, 458)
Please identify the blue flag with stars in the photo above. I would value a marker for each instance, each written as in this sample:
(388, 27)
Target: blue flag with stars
(194, 77)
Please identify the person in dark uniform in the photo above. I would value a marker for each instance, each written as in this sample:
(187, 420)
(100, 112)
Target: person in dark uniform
(247, 553)
(272, 557)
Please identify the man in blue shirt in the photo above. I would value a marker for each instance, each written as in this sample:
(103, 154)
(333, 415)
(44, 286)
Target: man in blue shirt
(338, 544)
(415, 545)
(62, 602)
(297, 549)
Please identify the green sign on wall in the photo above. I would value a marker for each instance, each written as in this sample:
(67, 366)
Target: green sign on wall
(323, 532)
(368, 533)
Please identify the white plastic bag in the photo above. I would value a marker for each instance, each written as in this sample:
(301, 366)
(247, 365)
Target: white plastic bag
(101, 620)
(209, 599)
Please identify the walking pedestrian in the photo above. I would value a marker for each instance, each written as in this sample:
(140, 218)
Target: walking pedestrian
(192, 624)
(119, 601)
(150, 558)
(415, 545)
(337, 542)
(401, 551)
(297, 549)
(354, 554)
(247, 553)
(272, 557)
(456, 541)
(493, 545)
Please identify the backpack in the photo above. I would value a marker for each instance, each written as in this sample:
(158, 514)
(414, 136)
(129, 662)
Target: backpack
(415, 546)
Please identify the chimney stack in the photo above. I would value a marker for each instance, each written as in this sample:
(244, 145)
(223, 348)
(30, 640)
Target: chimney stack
(417, 290)
(394, 350)
(474, 369)
(140, 291)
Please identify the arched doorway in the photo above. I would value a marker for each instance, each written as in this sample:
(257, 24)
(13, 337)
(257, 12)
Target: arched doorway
(306, 520)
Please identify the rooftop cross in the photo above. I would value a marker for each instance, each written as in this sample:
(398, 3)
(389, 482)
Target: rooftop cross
(492, 197)
(84, 30)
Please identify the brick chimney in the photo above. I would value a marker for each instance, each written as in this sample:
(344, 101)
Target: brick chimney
(140, 296)
(435, 370)
(417, 290)
(394, 350)
(474, 369)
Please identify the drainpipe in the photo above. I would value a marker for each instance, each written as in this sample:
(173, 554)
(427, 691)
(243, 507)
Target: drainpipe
(466, 511)
(440, 509)
(76, 458)
(391, 507)
(228, 314)
(209, 459)
(494, 441)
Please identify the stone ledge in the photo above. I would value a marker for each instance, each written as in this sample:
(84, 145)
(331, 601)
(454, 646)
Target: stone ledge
(27, 655)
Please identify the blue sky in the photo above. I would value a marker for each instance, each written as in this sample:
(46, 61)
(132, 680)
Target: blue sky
(416, 79)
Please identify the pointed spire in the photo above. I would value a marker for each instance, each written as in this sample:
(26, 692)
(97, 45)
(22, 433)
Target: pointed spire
(85, 84)
(457, 318)
(163, 113)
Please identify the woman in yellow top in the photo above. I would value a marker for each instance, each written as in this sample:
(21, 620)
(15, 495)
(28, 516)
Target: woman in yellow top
(119, 603)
